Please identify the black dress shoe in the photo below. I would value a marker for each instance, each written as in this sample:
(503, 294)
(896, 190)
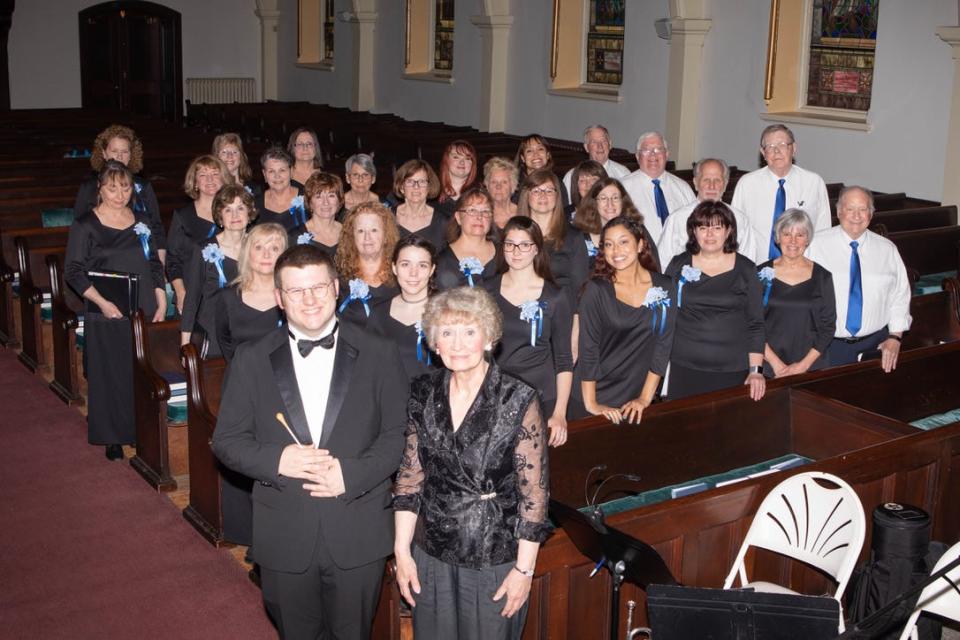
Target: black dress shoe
(114, 452)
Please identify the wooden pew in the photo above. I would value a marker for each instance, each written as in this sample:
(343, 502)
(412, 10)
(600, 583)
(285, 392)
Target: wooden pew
(926, 251)
(161, 446)
(38, 237)
(34, 283)
(914, 219)
(204, 384)
(936, 317)
(67, 309)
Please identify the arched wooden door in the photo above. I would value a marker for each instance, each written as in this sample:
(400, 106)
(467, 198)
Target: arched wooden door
(130, 58)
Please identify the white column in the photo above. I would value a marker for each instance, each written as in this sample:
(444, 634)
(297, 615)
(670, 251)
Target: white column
(951, 163)
(495, 35)
(683, 88)
(364, 32)
(269, 14)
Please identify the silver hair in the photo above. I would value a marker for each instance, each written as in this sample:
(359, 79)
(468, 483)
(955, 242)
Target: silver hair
(773, 128)
(365, 162)
(650, 134)
(606, 133)
(723, 166)
(793, 218)
(856, 187)
(463, 304)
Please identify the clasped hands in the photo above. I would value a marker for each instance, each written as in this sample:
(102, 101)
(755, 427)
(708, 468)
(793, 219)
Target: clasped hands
(317, 466)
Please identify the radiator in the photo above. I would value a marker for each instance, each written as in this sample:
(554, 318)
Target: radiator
(221, 90)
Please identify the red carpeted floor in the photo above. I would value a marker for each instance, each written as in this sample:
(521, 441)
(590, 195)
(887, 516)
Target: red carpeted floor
(89, 550)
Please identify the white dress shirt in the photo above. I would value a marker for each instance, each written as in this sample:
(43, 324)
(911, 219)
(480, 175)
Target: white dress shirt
(313, 379)
(640, 187)
(613, 168)
(673, 240)
(886, 290)
(756, 195)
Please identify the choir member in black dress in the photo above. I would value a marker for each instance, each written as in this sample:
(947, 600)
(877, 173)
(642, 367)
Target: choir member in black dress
(323, 198)
(400, 317)
(281, 201)
(120, 143)
(470, 258)
(414, 184)
(569, 262)
(627, 321)
(367, 240)
(471, 495)
(533, 154)
(606, 200)
(537, 322)
(228, 147)
(501, 178)
(247, 308)
(304, 148)
(112, 237)
(800, 313)
(584, 176)
(193, 225)
(458, 172)
(361, 175)
(718, 342)
(214, 265)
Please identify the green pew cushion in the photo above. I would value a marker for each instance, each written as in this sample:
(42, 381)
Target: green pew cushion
(56, 217)
(177, 410)
(938, 420)
(46, 308)
(697, 485)
(931, 283)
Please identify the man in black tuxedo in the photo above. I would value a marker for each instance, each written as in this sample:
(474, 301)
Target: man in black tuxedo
(314, 412)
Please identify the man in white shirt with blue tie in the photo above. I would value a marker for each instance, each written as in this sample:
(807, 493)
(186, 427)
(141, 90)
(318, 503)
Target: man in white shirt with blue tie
(763, 195)
(597, 144)
(870, 280)
(655, 192)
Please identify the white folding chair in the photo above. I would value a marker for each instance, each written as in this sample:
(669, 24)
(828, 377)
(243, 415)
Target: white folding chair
(803, 519)
(941, 597)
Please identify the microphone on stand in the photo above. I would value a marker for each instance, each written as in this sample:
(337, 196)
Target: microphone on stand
(594, 507)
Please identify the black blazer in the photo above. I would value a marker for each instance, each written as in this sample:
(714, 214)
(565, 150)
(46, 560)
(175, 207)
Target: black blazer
(363, 427)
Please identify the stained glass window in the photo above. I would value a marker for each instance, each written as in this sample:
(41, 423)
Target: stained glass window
(443, 36)
(328, 22)
(605, 42)
(843, 40)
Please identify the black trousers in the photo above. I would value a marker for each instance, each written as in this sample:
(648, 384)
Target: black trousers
(324, 602)
(841, 352)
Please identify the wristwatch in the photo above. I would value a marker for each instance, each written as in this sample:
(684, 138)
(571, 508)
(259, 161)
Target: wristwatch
(526, 572)
(756, 369)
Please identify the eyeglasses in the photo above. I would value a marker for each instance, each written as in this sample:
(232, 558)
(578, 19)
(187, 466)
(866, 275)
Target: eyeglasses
(318, 290)
(483, 214)
(522, 247)
(653, 151)
(229, 153)
(775, 147)
(608, 199)
(304, 145)
(416, 183)
(543, 191)
(360, 177)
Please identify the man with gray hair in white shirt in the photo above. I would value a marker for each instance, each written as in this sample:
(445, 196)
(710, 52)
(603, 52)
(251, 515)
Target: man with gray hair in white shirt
(870, 280)
(655, 192)
(597, 144)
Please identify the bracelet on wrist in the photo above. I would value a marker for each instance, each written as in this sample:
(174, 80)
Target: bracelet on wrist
(756, 369)
(897, 338)
(526, 572)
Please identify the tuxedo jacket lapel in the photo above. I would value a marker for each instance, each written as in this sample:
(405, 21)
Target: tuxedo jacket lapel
(343, 363)
(286, 378)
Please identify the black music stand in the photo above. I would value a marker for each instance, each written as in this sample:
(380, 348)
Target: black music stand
(625, 557)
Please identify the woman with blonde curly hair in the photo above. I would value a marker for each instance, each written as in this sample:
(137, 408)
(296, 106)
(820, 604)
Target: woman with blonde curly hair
(121, 143)
(229, 148)
(363, 260)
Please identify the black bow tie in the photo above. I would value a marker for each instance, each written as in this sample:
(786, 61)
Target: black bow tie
(306, 346)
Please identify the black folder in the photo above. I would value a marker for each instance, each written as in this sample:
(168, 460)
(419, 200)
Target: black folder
(122, 289)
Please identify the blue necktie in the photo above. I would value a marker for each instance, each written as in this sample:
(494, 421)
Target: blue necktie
(778, 209)
(658, 197)
(855, 304)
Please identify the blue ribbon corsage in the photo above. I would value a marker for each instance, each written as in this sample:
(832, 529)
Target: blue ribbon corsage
(305, 238)
(423, 353)
(532, 312)
(138, 205)
(248, 189)
(657, 299)
(592, 250)
(689, 273)
(359, 291)
(297, 211)
(143, 234)
(213, 254)
(766, 275)
(470, 267)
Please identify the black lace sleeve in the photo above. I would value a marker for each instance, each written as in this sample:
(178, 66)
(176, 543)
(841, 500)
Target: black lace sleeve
(533, 478)
(410, 476)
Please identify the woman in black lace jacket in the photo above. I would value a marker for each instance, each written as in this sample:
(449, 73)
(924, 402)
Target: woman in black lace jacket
(472, 491)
